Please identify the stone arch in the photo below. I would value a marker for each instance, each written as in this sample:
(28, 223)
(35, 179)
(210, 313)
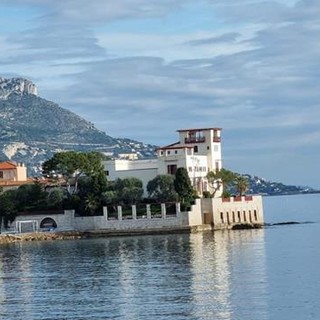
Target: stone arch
(48, 223)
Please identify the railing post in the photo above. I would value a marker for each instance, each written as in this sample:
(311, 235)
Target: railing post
(119, 213)
(134, 212)
(105, 212)
(163, 211)
(177, 208)
(148, 211)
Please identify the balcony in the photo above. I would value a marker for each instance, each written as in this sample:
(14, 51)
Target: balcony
(195, 140)
(216, 139)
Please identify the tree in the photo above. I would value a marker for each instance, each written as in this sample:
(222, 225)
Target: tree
(183, 187)
(220, 177)
(71, 165)
(8, 208)
(55, 198)
(129, 190)
(161, 189)
(30, 196)
(92, 204)
(241, 184)
(214, 180)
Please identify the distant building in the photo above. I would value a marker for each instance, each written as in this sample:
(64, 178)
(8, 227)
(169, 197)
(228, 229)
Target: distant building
(198, 151)
(13, 175)
(128, 156)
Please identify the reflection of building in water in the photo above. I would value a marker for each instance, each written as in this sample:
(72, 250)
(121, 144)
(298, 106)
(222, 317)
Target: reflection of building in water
(228, 275)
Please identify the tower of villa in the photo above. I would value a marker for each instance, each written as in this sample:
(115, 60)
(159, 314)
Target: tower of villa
(198, 150)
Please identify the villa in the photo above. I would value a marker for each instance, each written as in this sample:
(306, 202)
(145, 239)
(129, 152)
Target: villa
(198, 151)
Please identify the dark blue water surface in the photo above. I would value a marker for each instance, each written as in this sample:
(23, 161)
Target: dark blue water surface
(272, 273)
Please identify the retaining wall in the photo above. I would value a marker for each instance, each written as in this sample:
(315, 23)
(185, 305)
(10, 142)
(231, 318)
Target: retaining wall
(216, 213)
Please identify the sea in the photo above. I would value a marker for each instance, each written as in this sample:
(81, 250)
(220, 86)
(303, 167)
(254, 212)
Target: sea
(271, 273)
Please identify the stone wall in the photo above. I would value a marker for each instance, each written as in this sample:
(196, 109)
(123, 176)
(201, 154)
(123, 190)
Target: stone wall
(217, 213)
(225, 213)
(69, 221)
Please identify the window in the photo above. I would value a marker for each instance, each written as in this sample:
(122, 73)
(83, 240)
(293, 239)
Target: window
(161, 153)
(176, 151)
(190, 169)
(208, 148)
(168, 152)
(195, 148)
(107, 172)
(172, 168)
(216, 148)
(1, 174)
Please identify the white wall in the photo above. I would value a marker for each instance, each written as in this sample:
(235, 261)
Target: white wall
(251, 211)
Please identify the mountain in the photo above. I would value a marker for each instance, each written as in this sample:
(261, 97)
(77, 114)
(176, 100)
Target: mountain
(32, 129)
(264, 187)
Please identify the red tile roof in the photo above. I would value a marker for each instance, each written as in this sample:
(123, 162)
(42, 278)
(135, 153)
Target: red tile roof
(200, 129)
(7, 165)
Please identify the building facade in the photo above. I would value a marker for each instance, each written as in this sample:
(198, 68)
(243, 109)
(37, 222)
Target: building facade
(12, 175)
(198, 151)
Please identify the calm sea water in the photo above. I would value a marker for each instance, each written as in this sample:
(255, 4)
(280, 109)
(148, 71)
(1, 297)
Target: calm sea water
(273, 273)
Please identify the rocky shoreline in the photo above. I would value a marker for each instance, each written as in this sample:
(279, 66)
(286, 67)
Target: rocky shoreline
(71, 235)
(40, 236)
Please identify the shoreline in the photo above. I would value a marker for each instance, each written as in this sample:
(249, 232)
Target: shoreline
(74, 235)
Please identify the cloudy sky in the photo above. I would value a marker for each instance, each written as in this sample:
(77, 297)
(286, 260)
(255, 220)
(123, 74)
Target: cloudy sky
(144, 68)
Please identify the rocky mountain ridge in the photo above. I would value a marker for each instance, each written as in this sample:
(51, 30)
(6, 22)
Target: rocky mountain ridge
(32, 129)
(18, 86)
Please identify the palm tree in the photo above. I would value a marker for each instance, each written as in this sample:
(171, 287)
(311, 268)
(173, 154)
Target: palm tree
(222, 177)
(242, 184)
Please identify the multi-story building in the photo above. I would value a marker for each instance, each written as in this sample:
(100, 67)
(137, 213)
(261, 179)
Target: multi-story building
(198, 151)
(12, 175)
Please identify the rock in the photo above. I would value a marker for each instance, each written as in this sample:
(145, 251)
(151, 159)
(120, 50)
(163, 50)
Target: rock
(16, 86)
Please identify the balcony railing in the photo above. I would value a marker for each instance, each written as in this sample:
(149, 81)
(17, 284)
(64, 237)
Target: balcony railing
(195, 140)
(216, 139)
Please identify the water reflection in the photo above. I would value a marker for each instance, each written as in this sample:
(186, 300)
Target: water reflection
(229, 276)
(217, 275)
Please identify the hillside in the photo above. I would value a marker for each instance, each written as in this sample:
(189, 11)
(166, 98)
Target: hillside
(261, 186)
(32, 129)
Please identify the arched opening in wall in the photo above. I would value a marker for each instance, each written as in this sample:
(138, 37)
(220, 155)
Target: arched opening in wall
(48, 223)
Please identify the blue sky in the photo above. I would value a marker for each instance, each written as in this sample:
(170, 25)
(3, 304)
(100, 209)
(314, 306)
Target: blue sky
(143, 69)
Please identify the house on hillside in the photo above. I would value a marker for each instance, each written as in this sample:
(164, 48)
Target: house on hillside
(13, 175)
(198, 151)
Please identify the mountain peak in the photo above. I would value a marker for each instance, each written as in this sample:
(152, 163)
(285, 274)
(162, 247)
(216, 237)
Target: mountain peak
(18, 86)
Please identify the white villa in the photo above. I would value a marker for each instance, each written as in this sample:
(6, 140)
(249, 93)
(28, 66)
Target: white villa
(198, 151)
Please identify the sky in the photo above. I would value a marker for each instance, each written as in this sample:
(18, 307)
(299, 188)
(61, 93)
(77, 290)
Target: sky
(142, 69)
